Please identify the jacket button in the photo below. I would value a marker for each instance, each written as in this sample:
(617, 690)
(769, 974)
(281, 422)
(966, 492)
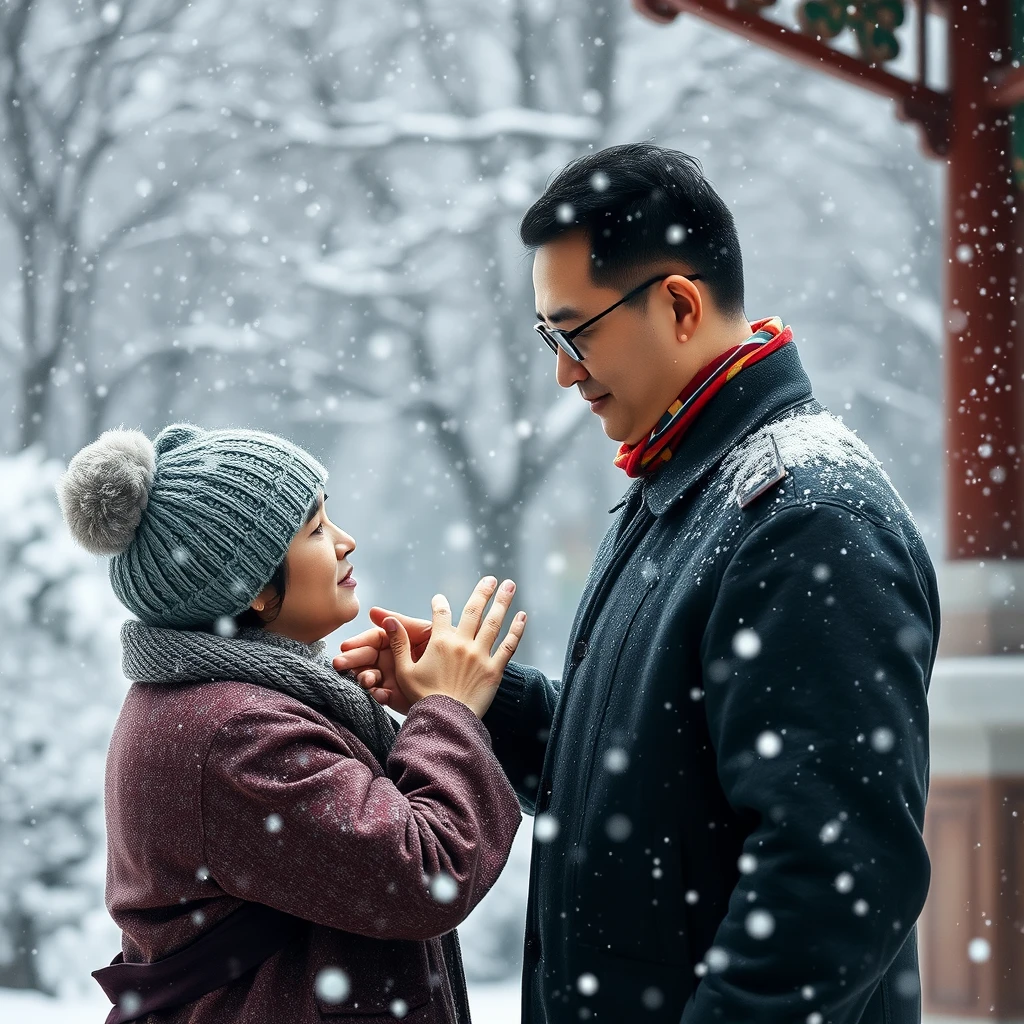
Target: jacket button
(579, 652)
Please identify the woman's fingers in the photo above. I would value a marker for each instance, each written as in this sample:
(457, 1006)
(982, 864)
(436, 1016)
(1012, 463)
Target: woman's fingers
(491, 626)
(508, 646)
(469, 621)
(441, 612)
(399, 640)
(370, 679)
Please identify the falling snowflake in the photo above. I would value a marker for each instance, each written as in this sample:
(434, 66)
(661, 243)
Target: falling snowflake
(443, 888)
(587, 984)
(717, 959)
(225, 626)
(130, 1002)
(747, 863)
(619, 828)
(979, 950)
(652, 998)
(760, 924)
(769, 744)
(883, 740)
(830, 831)
(746, 644)
(545, 828)
(332, 985)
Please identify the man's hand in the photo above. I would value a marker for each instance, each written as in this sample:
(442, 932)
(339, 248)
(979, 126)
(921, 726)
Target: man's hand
(661, 11)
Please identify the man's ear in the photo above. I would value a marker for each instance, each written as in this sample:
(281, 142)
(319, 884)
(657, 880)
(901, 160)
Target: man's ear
(687, 305)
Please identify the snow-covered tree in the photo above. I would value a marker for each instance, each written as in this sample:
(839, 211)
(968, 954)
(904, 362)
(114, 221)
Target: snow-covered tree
(60, 687)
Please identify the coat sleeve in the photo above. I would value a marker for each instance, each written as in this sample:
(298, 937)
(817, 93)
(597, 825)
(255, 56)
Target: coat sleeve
(816, 661)
(292, 820)
(519, 721)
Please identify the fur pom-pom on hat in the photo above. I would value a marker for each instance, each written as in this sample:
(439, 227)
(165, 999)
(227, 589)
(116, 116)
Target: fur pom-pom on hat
(105, 489)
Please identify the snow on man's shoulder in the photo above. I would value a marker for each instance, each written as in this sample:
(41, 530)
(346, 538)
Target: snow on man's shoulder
(826, 459)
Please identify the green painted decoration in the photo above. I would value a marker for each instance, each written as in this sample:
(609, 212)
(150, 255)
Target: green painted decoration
(873, 22)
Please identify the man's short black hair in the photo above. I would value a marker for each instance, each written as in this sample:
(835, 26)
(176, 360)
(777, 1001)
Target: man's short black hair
(642, 207)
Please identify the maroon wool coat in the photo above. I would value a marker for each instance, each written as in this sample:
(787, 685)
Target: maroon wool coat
(225, 791)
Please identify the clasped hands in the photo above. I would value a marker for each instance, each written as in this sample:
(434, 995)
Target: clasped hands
(401, 659)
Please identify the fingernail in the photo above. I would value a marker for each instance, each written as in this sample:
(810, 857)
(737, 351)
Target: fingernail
(391, 625)
(491, 581)
(508, 586)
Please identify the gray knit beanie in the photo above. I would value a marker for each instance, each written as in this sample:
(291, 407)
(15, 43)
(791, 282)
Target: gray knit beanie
(196, 521)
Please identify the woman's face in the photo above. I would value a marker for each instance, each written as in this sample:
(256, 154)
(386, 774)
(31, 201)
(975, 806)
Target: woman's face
(320, 590)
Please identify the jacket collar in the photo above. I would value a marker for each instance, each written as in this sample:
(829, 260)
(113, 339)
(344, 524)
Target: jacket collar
(752, 398)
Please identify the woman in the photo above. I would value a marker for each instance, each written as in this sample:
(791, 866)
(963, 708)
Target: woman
(275, 851)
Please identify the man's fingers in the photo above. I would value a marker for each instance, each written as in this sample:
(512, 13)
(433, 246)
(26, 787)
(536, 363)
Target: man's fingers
(370, 679)
(491, 626)
(418, 629)
(508, 646)
(374, 637)
(469, 621)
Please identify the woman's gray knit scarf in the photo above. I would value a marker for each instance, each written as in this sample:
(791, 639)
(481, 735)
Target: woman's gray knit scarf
(171, 656)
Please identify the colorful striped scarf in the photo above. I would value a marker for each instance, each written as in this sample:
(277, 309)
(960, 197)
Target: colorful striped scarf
(656, 449)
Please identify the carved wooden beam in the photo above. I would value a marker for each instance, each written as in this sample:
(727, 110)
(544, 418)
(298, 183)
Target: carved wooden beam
(873, 23)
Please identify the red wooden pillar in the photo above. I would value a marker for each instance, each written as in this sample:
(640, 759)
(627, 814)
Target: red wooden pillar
(984, 388)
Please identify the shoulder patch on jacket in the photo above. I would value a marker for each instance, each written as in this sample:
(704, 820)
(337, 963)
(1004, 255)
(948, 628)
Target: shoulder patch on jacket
(763, 479)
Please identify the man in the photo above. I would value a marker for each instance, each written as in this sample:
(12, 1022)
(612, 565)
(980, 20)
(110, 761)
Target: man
(729, 779)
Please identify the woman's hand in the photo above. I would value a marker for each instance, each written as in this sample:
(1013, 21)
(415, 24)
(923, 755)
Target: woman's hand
(369, 655)
(458, 660)
(449, 659)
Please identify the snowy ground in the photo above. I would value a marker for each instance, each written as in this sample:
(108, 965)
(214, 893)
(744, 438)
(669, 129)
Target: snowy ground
(495, 1004)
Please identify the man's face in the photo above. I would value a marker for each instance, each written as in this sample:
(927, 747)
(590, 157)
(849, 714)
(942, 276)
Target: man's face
(634, 363)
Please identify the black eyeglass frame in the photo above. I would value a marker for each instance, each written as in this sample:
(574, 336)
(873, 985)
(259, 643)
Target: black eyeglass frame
(556, 339)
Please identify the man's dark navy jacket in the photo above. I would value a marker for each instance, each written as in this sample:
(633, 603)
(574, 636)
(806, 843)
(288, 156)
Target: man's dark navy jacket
(730, 777)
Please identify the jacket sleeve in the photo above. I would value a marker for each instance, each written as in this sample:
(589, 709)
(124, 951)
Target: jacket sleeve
(519, 722)
(292, 820)
(816, 661)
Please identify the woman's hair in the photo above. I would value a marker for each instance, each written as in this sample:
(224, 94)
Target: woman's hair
(249, 618)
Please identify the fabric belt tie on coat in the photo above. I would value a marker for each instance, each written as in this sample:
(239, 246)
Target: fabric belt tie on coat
(238, 943)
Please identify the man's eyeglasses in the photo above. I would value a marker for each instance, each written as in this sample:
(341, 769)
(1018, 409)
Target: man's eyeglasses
(564, 340)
